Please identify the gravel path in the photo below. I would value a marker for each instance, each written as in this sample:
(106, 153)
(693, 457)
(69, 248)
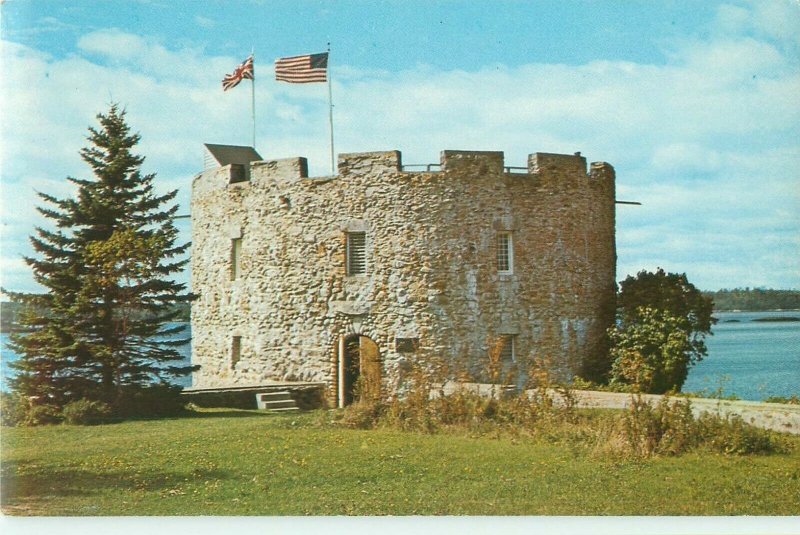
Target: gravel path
(775, 416)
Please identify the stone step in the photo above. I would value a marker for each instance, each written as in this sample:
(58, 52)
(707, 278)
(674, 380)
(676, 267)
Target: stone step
(274, 396)
(275, 401)
(286, 409)
(287, 403)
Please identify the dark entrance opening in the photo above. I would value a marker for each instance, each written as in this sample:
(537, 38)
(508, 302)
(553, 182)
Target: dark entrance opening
(360, 371)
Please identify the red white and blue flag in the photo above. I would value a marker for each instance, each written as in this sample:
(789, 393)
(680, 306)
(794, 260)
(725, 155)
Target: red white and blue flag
(304, 69)
(243, 71)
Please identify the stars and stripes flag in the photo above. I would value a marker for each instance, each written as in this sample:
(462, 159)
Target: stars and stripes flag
(243, 71)
(303, 69)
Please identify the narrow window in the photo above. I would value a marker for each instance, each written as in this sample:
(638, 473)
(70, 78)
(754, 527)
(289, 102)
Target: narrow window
(507, 353)
(236, 253)
(356, 253)
(505, 253)
(236, 350)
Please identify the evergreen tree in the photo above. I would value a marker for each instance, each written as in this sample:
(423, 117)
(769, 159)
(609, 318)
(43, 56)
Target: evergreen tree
(100, 331)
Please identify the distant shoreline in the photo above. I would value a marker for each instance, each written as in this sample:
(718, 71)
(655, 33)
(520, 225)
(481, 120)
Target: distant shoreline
(8, 328)
(757, 310)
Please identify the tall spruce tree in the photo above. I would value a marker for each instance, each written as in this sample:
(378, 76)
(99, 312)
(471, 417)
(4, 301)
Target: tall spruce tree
(101, 331)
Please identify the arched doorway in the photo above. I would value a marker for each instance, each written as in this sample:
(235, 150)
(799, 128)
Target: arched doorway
(359, 369)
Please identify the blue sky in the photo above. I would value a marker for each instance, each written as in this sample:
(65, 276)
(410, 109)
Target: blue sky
(694, 103)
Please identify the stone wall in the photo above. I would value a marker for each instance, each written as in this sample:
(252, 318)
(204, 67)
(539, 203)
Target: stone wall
(431, 265)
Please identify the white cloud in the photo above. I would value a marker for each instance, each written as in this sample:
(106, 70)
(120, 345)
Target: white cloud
(204, 22)
(708, 142)
(780, 20)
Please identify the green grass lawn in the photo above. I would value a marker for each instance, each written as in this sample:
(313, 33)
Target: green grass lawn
(248, 463)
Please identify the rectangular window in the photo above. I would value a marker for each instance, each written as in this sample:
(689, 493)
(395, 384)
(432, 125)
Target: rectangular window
(505, 253)
(236, 350)
(406, 345)
(356, 253)
(236, 253)
(507, 352)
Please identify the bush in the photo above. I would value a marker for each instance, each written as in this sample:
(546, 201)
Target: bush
(423, 408)
(662, 321)
(44, 414)
(86, 412)
(362, 414)
(651, 352)
(664, 428)
(670, 428)
(150, 401)
(791, 400)
(12, 409)
(732, 435)
(579, 383)
(19, 410)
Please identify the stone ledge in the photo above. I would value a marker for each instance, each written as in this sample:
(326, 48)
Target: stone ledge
(351, 308)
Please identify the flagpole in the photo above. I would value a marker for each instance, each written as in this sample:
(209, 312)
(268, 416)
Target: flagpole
(330, 110)
(253, 95)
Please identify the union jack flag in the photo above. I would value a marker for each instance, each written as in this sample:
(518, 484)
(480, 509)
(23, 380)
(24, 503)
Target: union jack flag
(243, 71)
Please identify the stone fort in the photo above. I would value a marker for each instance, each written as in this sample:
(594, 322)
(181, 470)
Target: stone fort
(327, 279)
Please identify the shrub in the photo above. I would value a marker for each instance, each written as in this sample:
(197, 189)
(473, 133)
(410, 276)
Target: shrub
(664, 428)
(791, 400)
(150, 401)
(19, 410)
(650, 351)
(426, 408)
(43, 414)
(662, 321)
(363, 414)
(86, 412)
(732, 435)
(12, 409)
(670, 428)
(579, 383)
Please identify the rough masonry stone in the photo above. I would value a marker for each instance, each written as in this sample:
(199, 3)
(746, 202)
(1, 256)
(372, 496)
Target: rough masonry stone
(431, 265)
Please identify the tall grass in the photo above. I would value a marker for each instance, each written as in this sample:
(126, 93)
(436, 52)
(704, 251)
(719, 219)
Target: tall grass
(437, 398)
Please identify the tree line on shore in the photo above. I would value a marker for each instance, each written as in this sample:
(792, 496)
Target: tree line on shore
(755, 299)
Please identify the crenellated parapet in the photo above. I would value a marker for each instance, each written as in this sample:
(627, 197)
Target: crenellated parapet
(547, 170)
(369, 162)
(472, 161)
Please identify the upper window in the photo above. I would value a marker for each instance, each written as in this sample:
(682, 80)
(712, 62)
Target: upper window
(356, 253)
(236, 253)
(505, 253)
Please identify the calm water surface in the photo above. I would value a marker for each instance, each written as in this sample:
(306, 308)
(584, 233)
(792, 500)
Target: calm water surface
(750, 359)
(9, 356)
(746, 358)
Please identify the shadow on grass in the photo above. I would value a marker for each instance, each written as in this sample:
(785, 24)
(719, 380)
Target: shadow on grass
(189, 414)
(227, 413)
(23, 480)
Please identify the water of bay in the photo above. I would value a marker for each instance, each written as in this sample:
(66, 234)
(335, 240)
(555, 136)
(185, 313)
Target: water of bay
(747, 357)
(7, 356)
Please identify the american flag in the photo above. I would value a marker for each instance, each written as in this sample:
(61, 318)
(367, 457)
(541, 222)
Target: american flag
(302, 69)
(243, 71)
